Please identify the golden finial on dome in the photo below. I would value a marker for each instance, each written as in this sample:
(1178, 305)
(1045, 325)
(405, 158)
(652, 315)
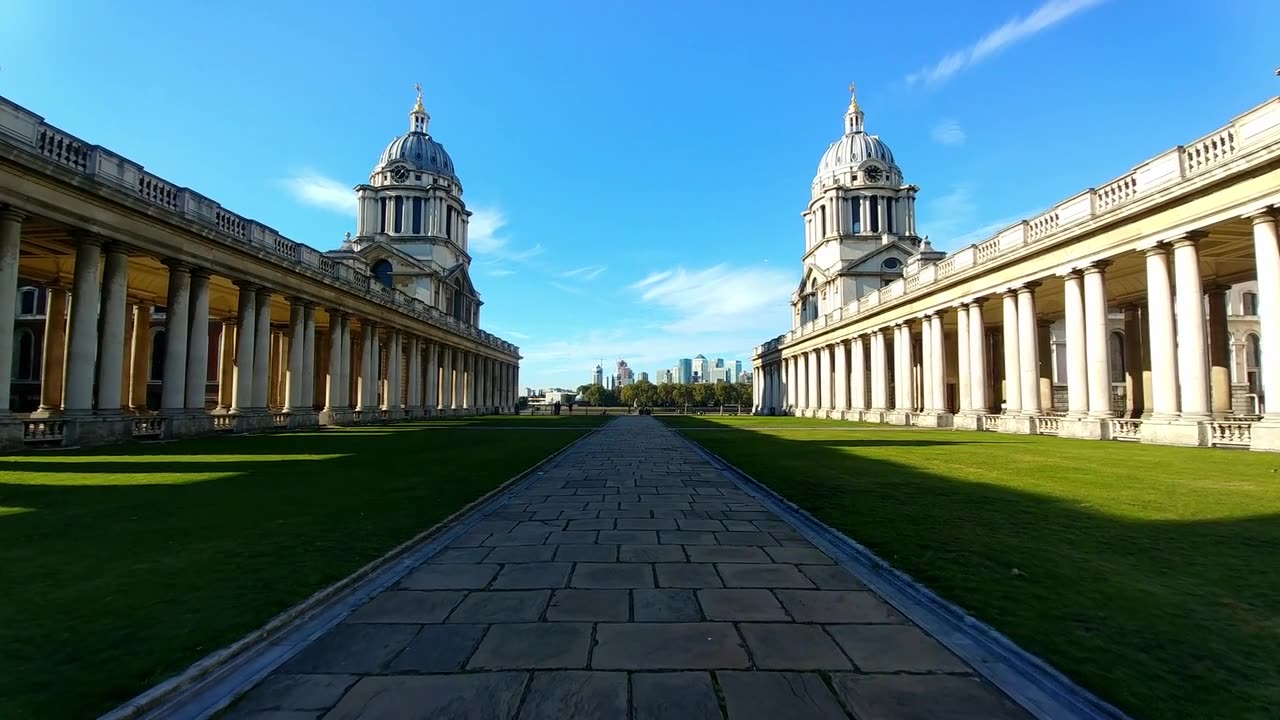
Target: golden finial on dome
(853, 96)
(419, 107)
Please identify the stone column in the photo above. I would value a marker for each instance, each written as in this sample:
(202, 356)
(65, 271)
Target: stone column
(1077, 366)
(10, 240)
(1096, 345)
(308, 357)
(841, 376)
(197, 369)
(823, 385)
(977, 359)
(938, 361)
(368, 364)
(460, 366)
(246, 322)
(1193, 368)
(1012, 366)
(394, 371)
(446, 379)
(963, 379)
(226, 364)
(433, 377)
(907, 380)
(115, 286)
(472, 363)
(813, 378)
(1133, 389)
(294, 378)
(1219, 352)
(139, 357)
(344, 390)
(858, 374)
(82, 341)
(261, 349)
(1148, 391)
(1160, 326)
(333, 384)
(1267, 260)
(1029, 350)
(414, 404)
(54, 355)
(925, 402)
(879, 373)
(177, 327)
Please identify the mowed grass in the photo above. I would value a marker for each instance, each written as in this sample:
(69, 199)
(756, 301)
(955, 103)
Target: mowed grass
(1147, 574)
(121, 566)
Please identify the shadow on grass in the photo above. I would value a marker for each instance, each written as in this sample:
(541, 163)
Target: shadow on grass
(1147, 574)
(122, 572)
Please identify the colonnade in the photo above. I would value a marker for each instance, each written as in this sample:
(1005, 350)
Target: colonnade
(97, 354)
(983, 362)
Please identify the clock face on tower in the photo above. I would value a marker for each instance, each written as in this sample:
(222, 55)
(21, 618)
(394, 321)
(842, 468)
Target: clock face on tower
(873, 174)
(400, 174)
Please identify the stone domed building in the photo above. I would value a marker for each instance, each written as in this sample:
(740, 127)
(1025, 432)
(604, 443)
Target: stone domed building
(411, 226)
(860, 225)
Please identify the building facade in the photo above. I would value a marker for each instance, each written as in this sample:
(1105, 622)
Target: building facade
(134, 308)
(1137, 310)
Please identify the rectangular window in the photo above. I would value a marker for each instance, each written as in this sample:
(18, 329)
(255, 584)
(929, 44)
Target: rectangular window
(417, 216)
(448, 223)
(382, 215)
(875, 214)
(399, 214)
(891, 206)
(855, 210)
(1249, 303)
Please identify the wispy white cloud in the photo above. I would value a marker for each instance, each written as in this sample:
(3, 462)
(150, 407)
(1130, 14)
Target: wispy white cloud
(718, 298)
(313, 188)
(1016, 30)
(498, 272)
(507, 333)
(956, 219)
(565, 287)
(949, 132)
(587, 272)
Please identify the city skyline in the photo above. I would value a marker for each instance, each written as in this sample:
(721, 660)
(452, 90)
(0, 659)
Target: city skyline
(973, 104)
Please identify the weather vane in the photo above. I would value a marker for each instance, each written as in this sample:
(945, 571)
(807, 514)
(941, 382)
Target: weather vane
(418, 87)
(852, 89)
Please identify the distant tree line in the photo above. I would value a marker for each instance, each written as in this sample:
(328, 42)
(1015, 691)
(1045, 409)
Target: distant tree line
(646, 394)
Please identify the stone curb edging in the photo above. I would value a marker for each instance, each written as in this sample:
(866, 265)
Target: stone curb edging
(215, 681)
(1031, 682)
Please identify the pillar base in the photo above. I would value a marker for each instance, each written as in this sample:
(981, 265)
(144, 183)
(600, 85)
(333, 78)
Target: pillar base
(1188, 433)
(414, 413)
(187, 425)
(394, 414)
(934, 419)
(335, 417)
(967, 421)
(874, 416)
(898, 417)
(1018, 424)
(1265, 435)
(1085, 429)
(45, 413)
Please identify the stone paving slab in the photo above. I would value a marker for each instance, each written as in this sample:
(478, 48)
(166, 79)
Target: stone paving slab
(628, 579)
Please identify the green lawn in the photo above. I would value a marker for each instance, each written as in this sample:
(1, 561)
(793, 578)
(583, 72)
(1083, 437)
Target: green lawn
(121, 566)
(1147, 574)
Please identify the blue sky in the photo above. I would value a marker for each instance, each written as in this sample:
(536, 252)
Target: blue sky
(637, 170)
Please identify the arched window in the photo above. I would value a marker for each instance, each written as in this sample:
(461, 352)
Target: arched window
(157, 355)
(26, 360)
(382, 271)
(28, 302)
(1116, 345)
(1252, 361)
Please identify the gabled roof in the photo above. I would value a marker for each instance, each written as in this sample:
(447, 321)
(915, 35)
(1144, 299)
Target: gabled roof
(809, 272)
(870, 263)
(380, 248)
(464, 279)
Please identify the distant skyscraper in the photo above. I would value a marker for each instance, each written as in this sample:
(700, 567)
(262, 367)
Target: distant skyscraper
(623, 376)
(684, 371)
(737, 371)
(597, 376)
(643, 377)
(701, 369)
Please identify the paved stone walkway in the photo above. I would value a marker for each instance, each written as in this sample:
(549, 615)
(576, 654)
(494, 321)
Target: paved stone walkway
(631, 580)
